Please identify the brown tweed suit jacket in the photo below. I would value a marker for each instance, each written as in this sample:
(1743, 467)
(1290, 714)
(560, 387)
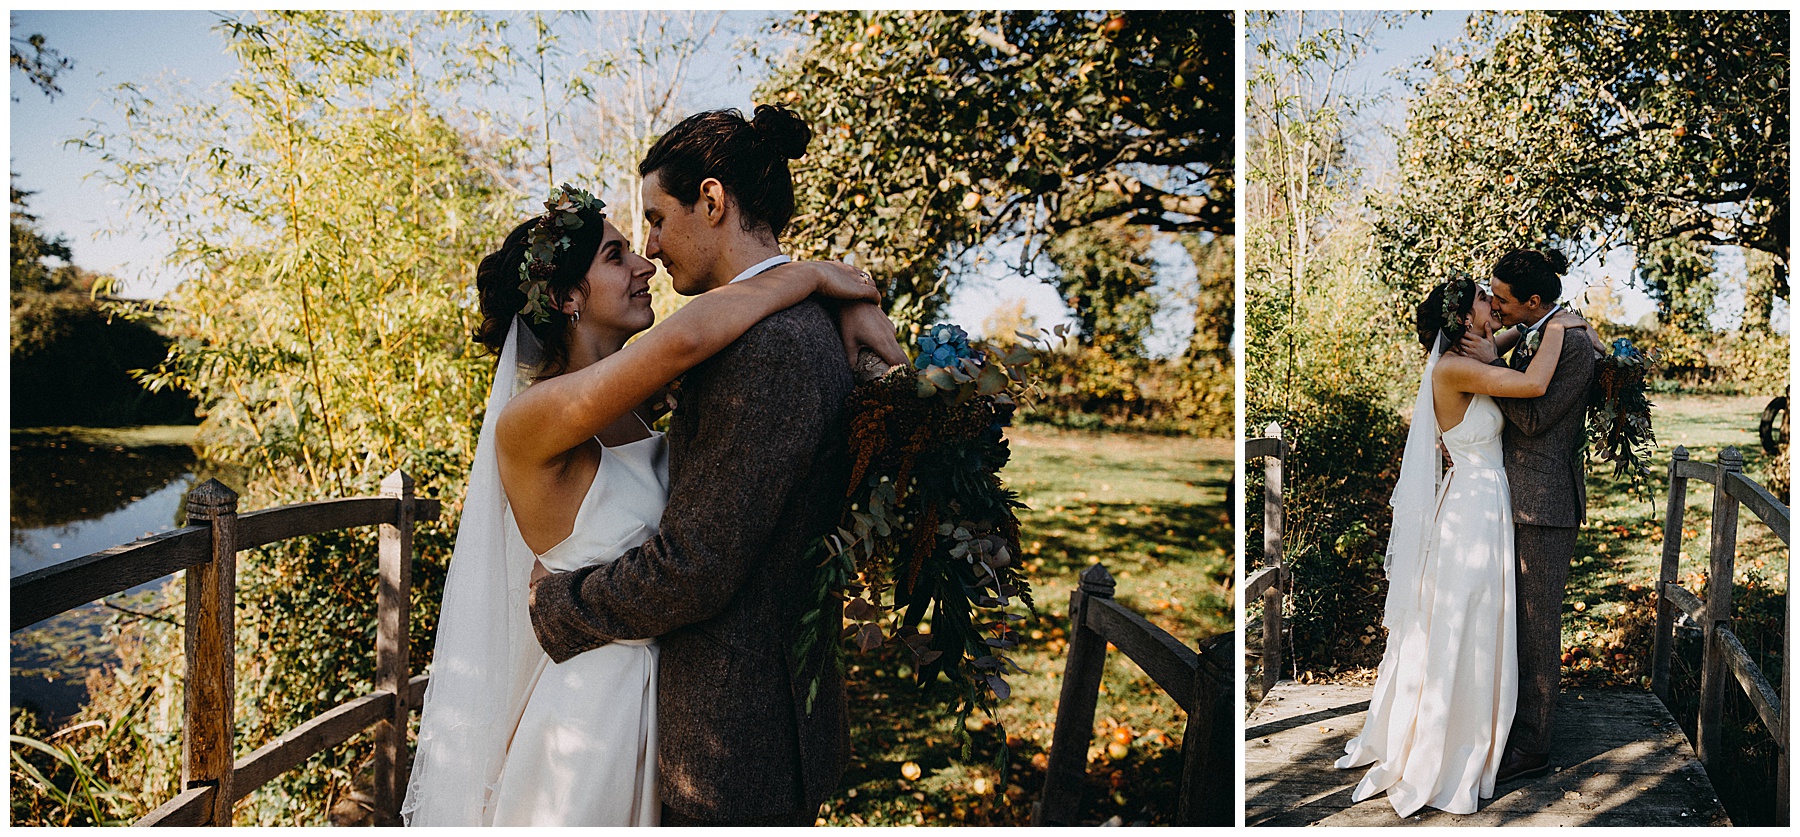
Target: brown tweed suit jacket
(1543, 439)
(757, 467)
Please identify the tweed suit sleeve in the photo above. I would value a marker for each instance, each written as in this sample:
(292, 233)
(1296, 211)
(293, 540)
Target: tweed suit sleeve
(761, 413)
(1568, 390)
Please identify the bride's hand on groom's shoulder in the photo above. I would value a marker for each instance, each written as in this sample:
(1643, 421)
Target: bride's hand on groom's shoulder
(1571, 321)
(841, 281)
(864, 326)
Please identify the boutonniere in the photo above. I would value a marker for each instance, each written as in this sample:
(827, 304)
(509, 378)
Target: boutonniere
(1528, 343)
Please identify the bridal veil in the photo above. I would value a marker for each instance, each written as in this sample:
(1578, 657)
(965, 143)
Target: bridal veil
(486, 652)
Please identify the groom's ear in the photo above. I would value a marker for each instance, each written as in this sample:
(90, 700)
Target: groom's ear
(712, 201)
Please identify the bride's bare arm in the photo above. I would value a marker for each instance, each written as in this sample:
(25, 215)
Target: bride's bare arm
(1470, 375)
(553, 416)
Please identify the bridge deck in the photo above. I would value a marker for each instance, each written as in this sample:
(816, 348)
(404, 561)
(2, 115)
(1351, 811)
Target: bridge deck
(1620, 760)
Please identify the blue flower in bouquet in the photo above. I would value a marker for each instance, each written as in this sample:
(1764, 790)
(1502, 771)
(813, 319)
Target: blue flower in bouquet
(1622, 348)
(943, 345)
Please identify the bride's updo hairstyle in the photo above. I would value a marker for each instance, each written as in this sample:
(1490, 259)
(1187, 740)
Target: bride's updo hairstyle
(1532, 273)
(749, 158)
(497, 285)
(1433, 315)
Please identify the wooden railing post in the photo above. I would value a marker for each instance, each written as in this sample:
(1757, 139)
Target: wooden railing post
(392, 649)
(1272, 533)
(1075, 706)
(210, 648)
(1673, 523)
(1713, 674)
(1208, 749)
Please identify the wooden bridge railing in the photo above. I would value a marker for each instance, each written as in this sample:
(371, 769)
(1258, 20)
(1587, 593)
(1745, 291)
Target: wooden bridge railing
(1723, 651)
(1271, 581)
(1199, 681)
(207, 551)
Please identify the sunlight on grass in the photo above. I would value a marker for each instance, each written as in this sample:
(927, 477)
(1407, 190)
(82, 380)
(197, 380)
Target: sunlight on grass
(1153, 510)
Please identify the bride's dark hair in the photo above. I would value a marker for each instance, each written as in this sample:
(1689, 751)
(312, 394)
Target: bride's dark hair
(749, 158)
(1533, 273)
(1431, 315)
(497, 286)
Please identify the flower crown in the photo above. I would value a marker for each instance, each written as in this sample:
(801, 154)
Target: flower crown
(1454, 289)
(551, 233)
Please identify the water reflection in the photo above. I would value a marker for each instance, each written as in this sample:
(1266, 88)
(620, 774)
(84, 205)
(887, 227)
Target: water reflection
(72, 496)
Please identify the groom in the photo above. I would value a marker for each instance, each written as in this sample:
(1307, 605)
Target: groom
(758, 466)
(1544, 470)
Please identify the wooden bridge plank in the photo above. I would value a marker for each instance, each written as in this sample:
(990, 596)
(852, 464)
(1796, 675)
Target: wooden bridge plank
(1621, 761)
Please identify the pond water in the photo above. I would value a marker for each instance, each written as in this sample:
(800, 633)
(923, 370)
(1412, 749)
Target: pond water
(76, 492)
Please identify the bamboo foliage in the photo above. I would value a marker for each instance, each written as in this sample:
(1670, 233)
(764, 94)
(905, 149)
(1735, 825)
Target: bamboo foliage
(328, 206)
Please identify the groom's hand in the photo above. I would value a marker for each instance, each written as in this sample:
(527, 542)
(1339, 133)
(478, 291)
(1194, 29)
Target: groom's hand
(1478, 347)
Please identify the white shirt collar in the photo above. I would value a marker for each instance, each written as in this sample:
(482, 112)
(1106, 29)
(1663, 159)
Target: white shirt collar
(1540, 323)
(759, 267)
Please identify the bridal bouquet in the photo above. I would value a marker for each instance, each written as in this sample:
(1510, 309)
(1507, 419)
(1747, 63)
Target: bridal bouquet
(1619, 410)
(927, 526)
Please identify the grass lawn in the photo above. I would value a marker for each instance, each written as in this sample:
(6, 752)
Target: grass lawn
(1153, 509)
(1619, 553)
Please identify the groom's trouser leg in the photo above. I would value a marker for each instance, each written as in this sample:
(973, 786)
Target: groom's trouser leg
(1542, 556)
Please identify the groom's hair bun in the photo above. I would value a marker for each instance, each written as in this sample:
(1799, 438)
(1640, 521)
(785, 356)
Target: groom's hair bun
(748, 158)
(1533, 273)
(786, 133)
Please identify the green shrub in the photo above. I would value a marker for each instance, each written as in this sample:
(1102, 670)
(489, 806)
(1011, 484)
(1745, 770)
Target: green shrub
(1344, 455)
(1094, 387)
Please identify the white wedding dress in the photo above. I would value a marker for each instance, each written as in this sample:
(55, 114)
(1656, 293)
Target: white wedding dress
(1448, 682)
(584, 751)
(506, 736)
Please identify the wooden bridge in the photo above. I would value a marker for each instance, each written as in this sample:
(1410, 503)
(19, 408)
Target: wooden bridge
(1620, 758)
(214, 776)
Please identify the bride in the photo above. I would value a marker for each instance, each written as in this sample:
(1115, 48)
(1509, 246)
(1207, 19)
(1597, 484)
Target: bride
(567, 473)
(1445, 690)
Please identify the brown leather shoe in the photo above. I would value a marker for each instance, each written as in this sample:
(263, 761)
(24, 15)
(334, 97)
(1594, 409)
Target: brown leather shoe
(1516, 765)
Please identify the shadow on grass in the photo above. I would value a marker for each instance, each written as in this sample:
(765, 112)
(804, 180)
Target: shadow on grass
(1156, 516)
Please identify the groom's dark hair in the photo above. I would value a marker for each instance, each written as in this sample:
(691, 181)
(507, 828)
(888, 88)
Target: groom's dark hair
(1533, 273)
(749, 158)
